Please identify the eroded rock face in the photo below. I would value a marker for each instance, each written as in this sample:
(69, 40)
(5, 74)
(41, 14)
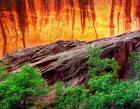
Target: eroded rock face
(28, 23)
(67, 60)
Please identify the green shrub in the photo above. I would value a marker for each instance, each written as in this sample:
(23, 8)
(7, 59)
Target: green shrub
(110, 93)
(74, 97)
(135, 61)
(138, 72)
(3, 71)
(18, 87)
(101, 66)
(101, 83)
(120, 95)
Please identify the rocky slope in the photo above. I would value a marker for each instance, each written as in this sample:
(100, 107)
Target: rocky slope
(67, 60)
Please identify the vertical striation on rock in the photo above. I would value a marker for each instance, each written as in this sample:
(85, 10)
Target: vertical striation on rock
(27, 23)
(21, 9)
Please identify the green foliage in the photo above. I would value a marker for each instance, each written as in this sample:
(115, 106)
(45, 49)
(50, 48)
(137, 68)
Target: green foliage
(3, 72)
(101, 66)
(110, 93)
(104, 91)
(74, 97)
(135, 59)
(101, 83)
(59, 86)
(18, 87)
(120, 95)
(138, 72)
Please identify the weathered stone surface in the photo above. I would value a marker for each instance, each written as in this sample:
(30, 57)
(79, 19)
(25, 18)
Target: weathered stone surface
(67, 60)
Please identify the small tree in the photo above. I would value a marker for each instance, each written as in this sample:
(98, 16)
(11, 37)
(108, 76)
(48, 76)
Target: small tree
(17, 88)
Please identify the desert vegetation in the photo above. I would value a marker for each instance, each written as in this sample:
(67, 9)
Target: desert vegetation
(21, 89)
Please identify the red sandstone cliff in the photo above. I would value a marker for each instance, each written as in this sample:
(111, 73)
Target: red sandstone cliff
(67, 60)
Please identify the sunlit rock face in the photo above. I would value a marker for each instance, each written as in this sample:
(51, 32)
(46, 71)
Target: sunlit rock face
(27, 23)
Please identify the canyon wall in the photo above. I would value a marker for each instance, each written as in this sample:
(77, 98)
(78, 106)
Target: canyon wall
(27, 23)
(67, 60)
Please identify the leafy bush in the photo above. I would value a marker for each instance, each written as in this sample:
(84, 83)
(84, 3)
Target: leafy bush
(74, 97)
(18, 87)
(104, 90)
(101, 66)
(135, 59)
(3, 72)
(119, 95)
